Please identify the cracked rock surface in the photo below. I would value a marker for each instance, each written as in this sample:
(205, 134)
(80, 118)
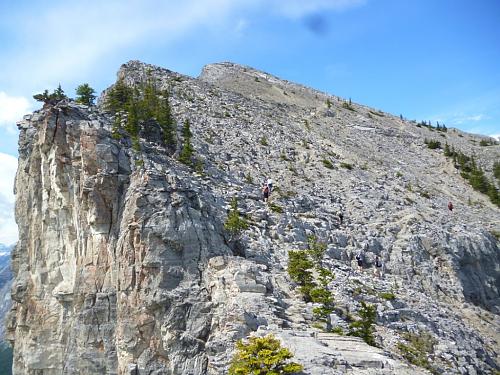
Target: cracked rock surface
(123, 264)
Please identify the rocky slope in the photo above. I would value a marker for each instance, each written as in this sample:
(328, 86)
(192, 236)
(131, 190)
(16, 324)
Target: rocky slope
(5, 284)
(123, 264)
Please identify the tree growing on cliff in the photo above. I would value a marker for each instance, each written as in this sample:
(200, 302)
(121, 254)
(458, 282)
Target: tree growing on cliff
(262, 356)
(187, 151)
(364, 327)
(235, 223)
(85, 94)
(51, 99)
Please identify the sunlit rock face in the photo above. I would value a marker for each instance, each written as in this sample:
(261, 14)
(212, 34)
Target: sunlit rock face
(123, 265)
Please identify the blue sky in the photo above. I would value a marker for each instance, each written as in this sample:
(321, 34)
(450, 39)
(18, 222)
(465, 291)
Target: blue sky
(433, 60)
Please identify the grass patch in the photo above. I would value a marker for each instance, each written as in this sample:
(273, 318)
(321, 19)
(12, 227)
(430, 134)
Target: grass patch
(327, 163)
(275, 208)
(346, 166)
(387, 296)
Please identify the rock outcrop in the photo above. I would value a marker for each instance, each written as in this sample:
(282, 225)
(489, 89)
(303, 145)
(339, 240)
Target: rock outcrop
(123, 264)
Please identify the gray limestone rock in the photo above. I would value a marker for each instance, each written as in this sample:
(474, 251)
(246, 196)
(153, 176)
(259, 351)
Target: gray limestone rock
(123, 264)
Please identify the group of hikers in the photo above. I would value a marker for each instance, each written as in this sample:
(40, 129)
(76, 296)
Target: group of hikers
(267, 188)
(378, 271)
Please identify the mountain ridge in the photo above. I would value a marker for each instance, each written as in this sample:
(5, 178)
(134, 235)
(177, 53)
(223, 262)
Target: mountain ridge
(170, 290)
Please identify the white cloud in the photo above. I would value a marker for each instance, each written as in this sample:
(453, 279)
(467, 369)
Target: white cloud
(458, 120)
(64, 41)
(8, 227)
(496, 136)
(12, 109)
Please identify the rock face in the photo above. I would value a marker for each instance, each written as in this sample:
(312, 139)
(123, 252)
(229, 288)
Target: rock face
(123, 264)
(5, 283)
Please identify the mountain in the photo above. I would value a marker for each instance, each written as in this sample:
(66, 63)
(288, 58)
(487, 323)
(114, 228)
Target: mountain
(145, 246)
(5, 304)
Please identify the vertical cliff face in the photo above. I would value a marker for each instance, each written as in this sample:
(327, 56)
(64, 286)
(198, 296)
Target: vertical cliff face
(123, 265)
(110, 256)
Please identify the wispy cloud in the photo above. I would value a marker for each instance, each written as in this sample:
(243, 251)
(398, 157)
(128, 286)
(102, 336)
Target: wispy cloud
(12, 108)
(8, 227)
(66, 40)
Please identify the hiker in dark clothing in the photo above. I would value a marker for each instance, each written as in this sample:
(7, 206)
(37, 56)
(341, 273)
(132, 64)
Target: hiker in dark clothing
(265, 192)
(450, 206)
(378, 267)
(341, 217)
(359, 260)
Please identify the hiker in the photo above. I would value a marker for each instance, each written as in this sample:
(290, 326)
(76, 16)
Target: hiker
(378, 267)
(359, 259)
(450, 206)
(270, 184)
(265, 192)
(341, 217)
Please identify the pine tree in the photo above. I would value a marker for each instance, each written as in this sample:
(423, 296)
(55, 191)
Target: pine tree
(85, 94)
(59, 94)
(364, 326)
(187, 151)
(262, 356)
(118, 97)
(164, 117)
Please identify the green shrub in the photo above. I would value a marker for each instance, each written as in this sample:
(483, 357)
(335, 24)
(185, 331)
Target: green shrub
(327, 163)
(275, 208)
(387, 295)
(432, 144)
(417, 349)
(348, 106)
(262, 356)
(316, 249)
(364, 327)
(338, 330)
(263, 141)
(235, 224)
(346, 165)
(496, 170)
(300, 269)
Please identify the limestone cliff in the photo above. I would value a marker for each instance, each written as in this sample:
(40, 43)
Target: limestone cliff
(123, 264)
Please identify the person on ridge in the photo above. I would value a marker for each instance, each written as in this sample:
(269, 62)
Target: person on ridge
(378, 267)
(270, 184)
(341, 217)
(359, 260)
(450, 206)
(265, 192)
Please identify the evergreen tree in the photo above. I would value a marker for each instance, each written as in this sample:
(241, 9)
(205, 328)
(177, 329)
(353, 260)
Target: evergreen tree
(187, 151)
(262, 356)
(54, 98)
(235, 224)
(165, 120)
(364, 326)
(118, 97)
(43, 97)
(59, 94)
(85, 94)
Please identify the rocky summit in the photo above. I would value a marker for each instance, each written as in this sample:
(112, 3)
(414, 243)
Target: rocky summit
(126, 263)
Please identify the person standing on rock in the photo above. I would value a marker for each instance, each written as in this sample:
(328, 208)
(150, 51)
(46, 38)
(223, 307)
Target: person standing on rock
(341, 217)
(378, 267)
(270, 184)
(450, 206)
(359, 260)
(265, 192)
